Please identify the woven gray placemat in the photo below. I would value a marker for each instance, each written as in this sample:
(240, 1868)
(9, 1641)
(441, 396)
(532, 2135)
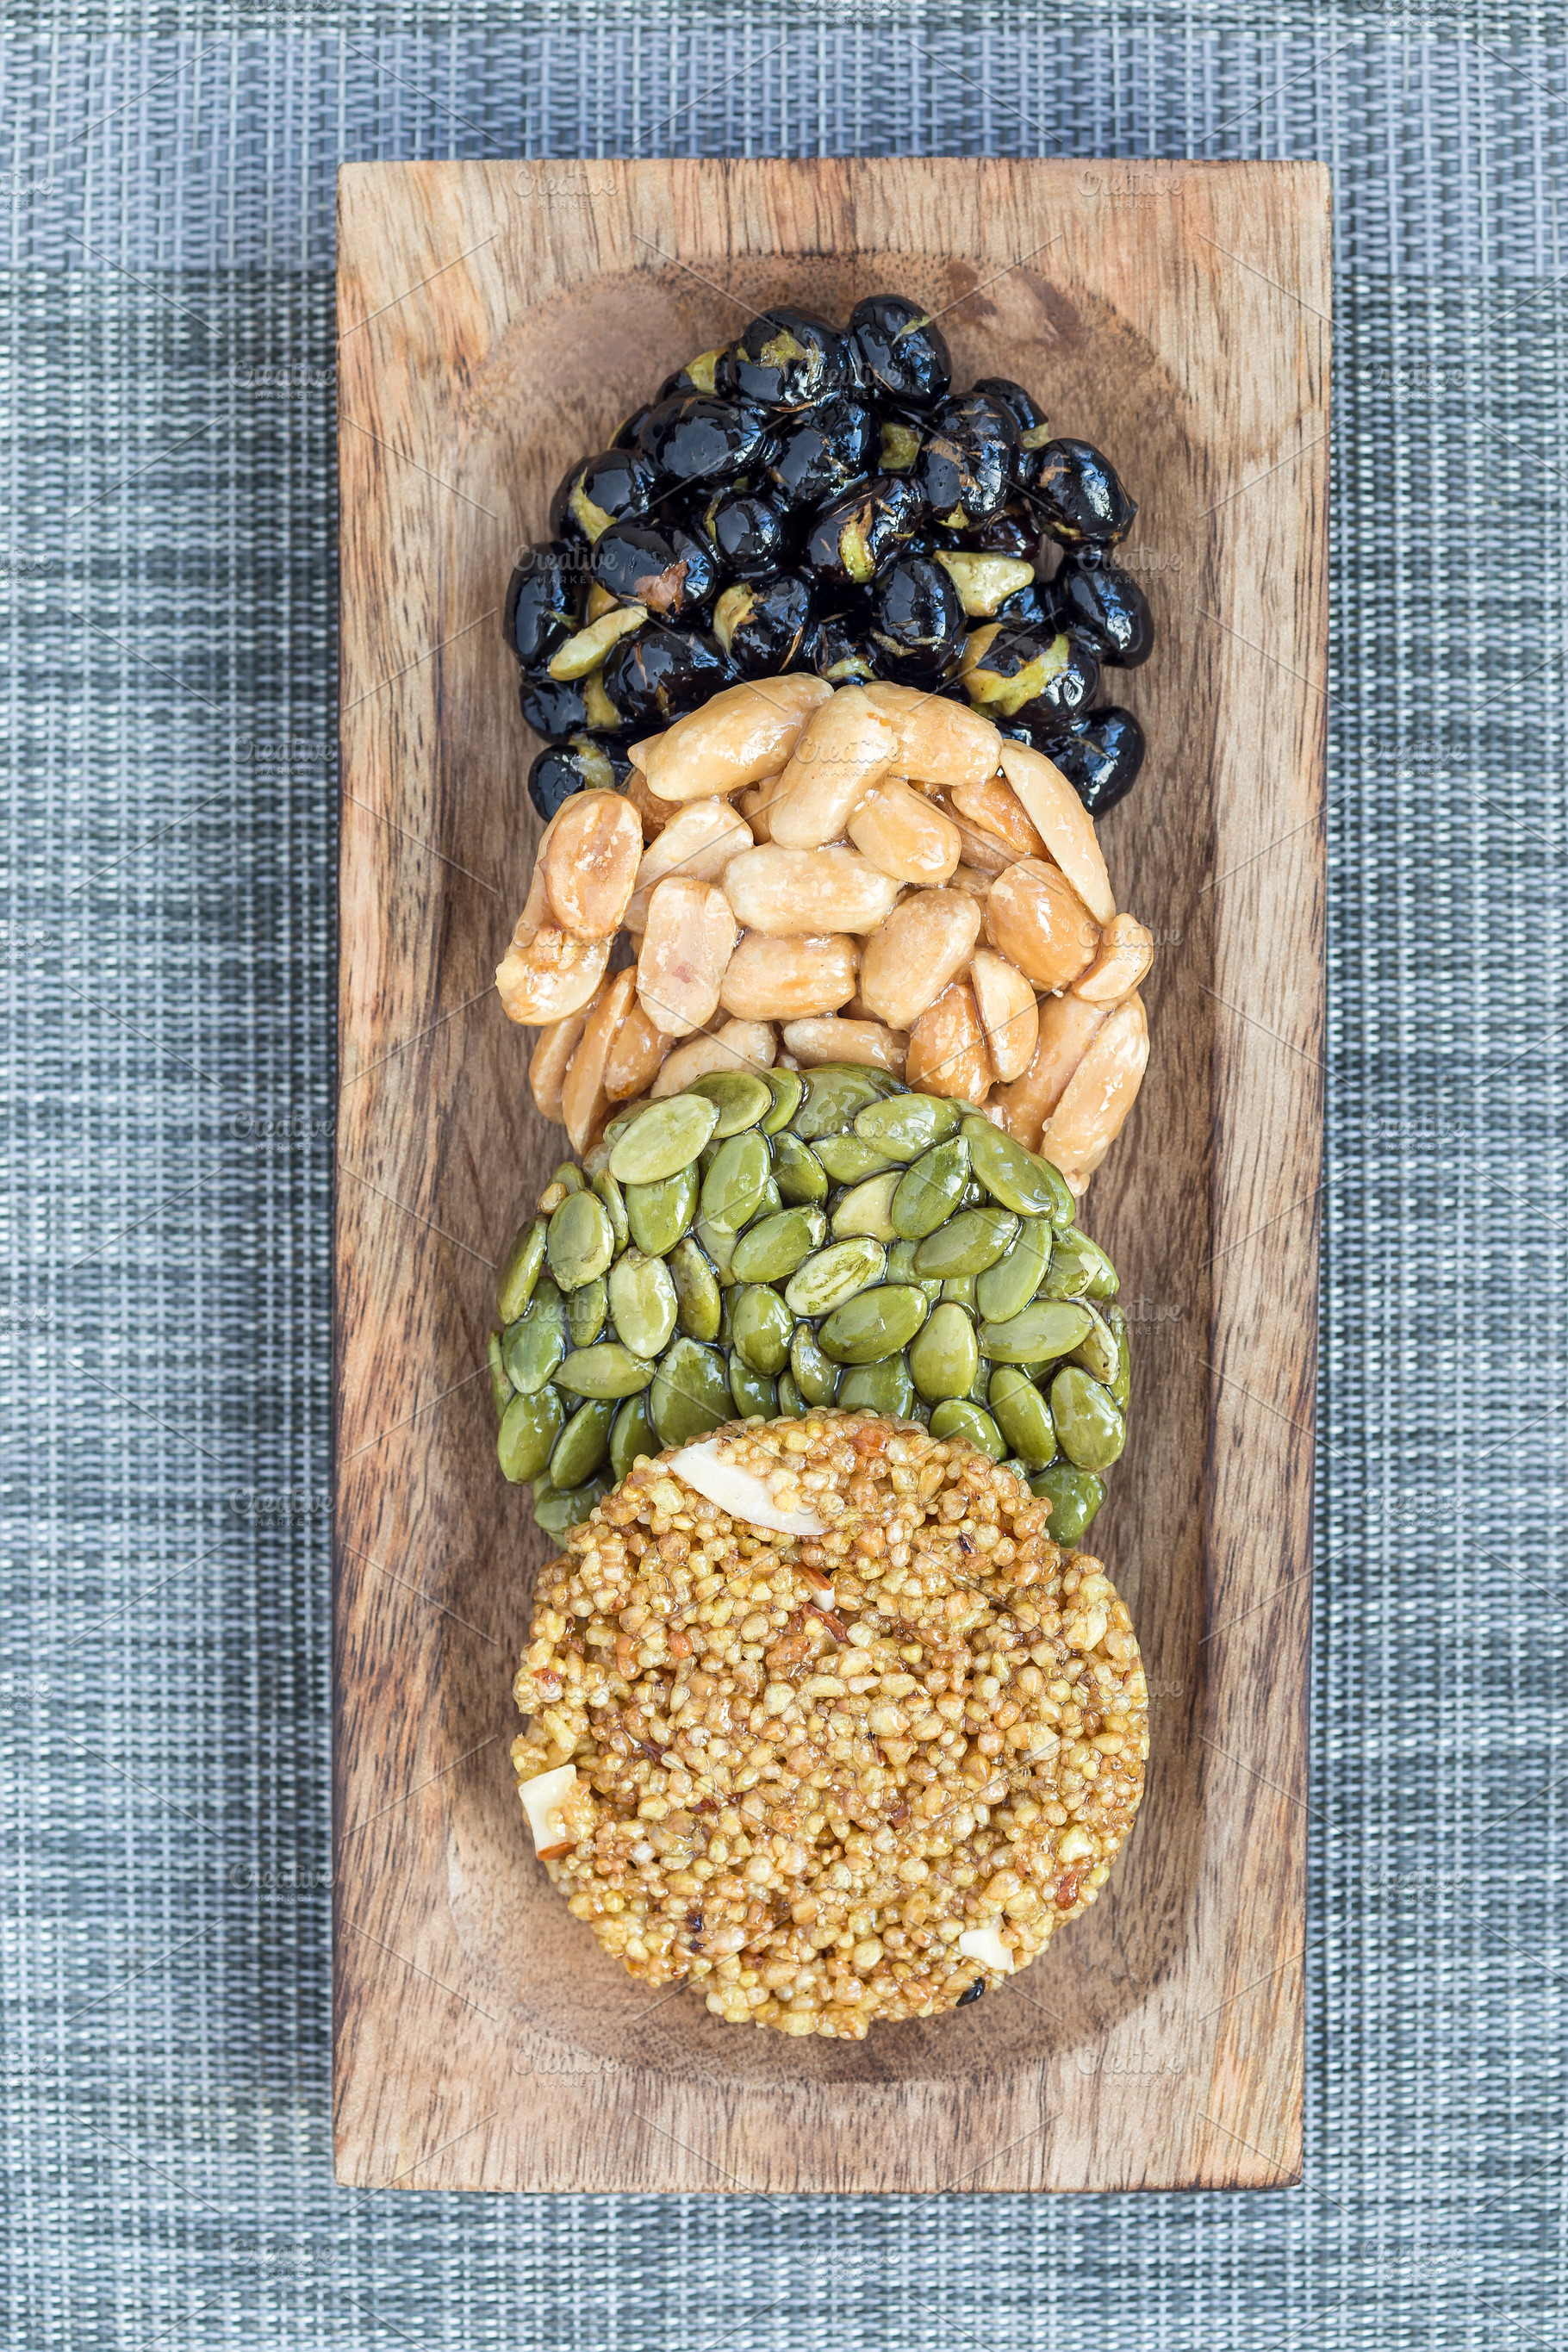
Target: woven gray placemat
(165, 568)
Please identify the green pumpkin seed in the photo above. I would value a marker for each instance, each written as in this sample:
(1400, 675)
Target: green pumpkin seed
(835, 1093)
(968, 1242)
(786, 1088)
(907, 1125)
(753, 1392)
(586, 1309)
(643, 1302)
(1006, 1288)
(733, 1187)
(660, 1214)
(698, 1297)
(874, 1324)
(501, 1390)
(867, 1209)
(958, 1418)
(584, 1446)
(848, 1161)
(816, 1379)
(771, 1250)
(559, 1513)
(726, 1314)
(607, 1370)
(959, 1289)
(690, 1392)
(718, 1243)
(931, 1189)
(614, 1200)
(1084, 1270)
(826, 1279)
(522, 1270)
(1120, 1386)
(581, 1240)
(902, 1269)
(884, 1386)
(945, 1356)
(1097, 1351)
(665, 1138)
(762, 1328)
(1074, 1496)
(1021, 1181)
(792, 1404)
(1043, 1331)
(632, 1433)
(742, 1098)
(529, 1429)
(797, 1172)
(1023, 1416)
(975, 1195)
(570, 1178)
(532, 1349)
(1091, 1427)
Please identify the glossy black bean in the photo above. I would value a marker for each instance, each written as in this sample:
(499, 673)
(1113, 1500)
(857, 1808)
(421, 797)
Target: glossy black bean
(1036, 675)
(698, 439)
(822, 451)
(749, 532)
(786, 360)
(1029, 608)
(625, 435)
(761, 624)
(856, 534)
(556, 706)
(657, 673)
(1104, 605)
(1034, 426)
(667, 568)
(965, 467)
(901, 350)
(838, 646)
(1069, 692)
(696, 375)
(1100, 753)
(583, 764)
(917, 618)
(1015, 530)
(1078, 497)
(600, 491)
(544, 601)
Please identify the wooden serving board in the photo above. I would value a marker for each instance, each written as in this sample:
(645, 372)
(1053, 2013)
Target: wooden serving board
(497, 320)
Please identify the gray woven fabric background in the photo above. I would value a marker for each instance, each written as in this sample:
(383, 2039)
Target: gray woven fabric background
(166, 577)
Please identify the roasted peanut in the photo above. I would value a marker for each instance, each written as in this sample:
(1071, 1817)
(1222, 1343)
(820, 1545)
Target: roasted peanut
(1099, 1096)
(736, 1045)
(940, 742)
(1067, 1024)
(829, 1039)
(699, 842)
(590, 864)
(789, 979)
(754, 805)
(745, 732)
(551, 1058)
(786, 891)
(902, 834)
(947, 1048)
(845, 747)
(1009, 1013)
(637, 1053)
(972, 878)
(584, 1100)
(690, 933)
(544, 978)
(1038, 921)
(982, 853)
(1063, 824)
(922, 945)
(653, 815)
(992, 808)
(1126, 951)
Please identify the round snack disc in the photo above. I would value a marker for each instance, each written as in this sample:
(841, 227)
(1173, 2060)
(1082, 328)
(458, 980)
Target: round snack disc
(833, 1729)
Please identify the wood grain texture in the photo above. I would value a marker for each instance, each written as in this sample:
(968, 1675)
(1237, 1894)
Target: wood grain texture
(497, 320)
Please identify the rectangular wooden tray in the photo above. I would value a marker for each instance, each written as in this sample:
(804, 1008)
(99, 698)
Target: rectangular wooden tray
(498, 319)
